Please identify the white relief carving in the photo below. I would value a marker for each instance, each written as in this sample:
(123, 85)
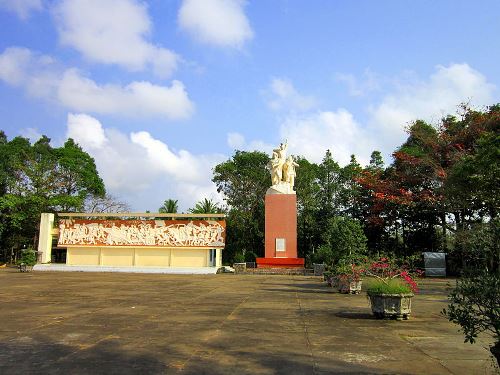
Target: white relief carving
(142, 233)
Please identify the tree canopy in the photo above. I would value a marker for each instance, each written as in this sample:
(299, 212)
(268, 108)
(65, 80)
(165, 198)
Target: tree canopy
(443, 180)
(36, 178)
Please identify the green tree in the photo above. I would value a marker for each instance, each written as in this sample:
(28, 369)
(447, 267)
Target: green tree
(77, 177)
(345, 238)
(376, 161)
(307, 188)
(39, 178)
(330, 187)
(243, 180)
(206, 206)
(170, 206)
(351, 188)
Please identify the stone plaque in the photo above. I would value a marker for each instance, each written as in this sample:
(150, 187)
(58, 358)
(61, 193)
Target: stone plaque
(280, 244)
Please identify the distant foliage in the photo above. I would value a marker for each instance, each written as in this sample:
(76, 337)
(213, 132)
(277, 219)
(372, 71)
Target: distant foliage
(243, 180)
(206, 206)
(443, 182)
(28, 257)
(170, 206)
(36, 178)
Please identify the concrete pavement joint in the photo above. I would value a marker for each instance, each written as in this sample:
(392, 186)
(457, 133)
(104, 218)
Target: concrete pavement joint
(306, 333)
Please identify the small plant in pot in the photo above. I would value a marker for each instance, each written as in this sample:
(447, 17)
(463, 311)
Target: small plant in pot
(348, 277)
(330, 278)
(390, 290)
(27, 260)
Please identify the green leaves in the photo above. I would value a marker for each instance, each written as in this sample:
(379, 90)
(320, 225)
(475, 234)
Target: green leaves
(475, 305)
(170, 206)
(206, 206)
(39, 178)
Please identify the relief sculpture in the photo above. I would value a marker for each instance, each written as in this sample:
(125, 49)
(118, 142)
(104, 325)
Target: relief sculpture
(198, 233)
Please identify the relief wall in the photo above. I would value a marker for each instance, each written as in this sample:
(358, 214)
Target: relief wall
(168, 233)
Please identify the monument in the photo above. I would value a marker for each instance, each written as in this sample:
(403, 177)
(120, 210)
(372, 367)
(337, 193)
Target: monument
(281, 213)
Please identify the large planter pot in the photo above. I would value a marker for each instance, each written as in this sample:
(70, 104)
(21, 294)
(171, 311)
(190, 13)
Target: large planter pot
(25, 267)
(391, 306)
(330, 280)
(239, 268)
(349, 287)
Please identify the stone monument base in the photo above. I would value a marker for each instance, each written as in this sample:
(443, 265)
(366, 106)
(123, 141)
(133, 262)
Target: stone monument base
(280, 262)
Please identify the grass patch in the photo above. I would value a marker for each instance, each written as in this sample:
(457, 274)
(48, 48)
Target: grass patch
(394, 286)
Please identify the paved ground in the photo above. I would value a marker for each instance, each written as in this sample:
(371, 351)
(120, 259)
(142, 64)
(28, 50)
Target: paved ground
(88, 323)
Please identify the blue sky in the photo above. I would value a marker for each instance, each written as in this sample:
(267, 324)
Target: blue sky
(159, 92)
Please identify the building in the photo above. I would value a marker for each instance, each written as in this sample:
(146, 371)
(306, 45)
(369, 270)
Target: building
(134, 239)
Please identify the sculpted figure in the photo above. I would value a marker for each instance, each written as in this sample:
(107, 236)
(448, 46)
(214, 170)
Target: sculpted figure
(277, 162)
(289, 171)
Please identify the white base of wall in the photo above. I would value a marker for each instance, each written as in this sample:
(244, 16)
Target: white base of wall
(168, 270)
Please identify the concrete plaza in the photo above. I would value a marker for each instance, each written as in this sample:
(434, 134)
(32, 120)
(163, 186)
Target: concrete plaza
(113, 323)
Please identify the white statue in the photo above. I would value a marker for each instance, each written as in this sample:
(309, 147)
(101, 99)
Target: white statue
(289, 171)
(276, 163)
(282, 171)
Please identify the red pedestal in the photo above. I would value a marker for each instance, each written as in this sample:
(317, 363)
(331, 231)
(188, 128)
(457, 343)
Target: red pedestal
(281, 232)
(280, 262)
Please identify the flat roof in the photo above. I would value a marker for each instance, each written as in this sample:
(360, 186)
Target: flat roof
(137, 214)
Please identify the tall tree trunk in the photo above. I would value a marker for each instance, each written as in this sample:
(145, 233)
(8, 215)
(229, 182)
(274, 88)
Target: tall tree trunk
(443, 227)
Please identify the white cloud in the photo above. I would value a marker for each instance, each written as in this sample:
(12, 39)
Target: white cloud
(429, 100)
(41, 77)
(136, 99)
(23, 8)
(36, 73)
(311, 135)
(221, 23)
(87, 130)
(31, 133)
(142, 170)
(238, 142)
(360, 87)
(113, 32)
(284, 96)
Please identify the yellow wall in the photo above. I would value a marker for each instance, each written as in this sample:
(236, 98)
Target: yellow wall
(140, 256)
(189, 258)
(117, 256)
(84, 256)
(152, 257)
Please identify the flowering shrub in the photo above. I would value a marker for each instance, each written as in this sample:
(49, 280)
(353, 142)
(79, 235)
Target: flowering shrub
(349, 272)
(390, 278)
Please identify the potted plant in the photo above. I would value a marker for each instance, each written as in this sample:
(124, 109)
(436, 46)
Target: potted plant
(348, 276)
(329, 277)
(390, 290)
(27, 260)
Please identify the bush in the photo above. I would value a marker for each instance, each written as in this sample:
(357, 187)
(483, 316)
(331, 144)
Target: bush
(239, 258)
(250, 256)
(28, 257)
(323, 255)
(475, 306)
(477, 247)
(345, 238)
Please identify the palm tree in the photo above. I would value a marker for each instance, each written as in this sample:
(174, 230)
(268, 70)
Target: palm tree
(169, 207)
(206, 206)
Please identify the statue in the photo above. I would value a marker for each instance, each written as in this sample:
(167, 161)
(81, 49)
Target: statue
(289, 171)
(277, 162)
(282, 171)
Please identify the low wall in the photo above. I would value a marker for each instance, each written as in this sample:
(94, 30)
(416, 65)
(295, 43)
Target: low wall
(139, 257)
